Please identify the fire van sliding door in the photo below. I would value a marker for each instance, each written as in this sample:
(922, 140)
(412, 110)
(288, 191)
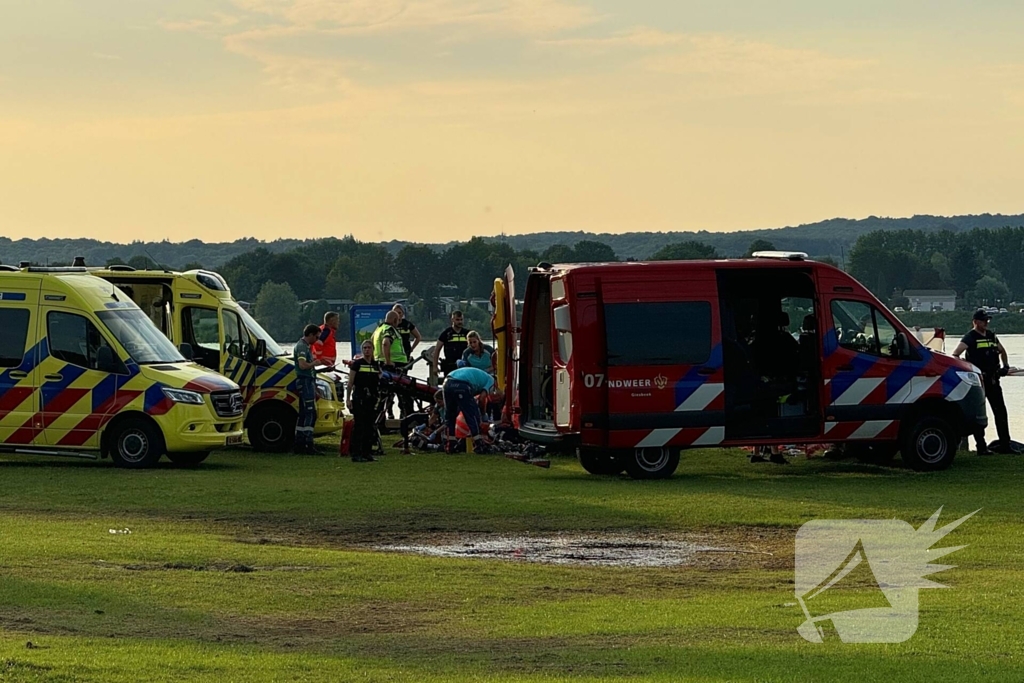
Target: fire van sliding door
(664, 363)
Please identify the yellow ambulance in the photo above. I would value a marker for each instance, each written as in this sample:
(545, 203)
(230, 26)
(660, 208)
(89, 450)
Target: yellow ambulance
(83, 372)
(196, 311)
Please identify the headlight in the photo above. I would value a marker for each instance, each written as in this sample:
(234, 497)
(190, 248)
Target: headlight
(323, 389)
(971, 378)
(184, 396)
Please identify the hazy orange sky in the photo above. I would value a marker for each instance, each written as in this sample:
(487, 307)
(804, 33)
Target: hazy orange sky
(439, 119)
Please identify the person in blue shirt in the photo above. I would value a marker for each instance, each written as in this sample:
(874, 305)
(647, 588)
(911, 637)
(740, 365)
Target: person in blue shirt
(477, 354)
(461, 389)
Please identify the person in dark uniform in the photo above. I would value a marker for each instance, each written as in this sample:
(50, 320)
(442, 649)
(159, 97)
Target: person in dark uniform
(411, 338)
(362, 401)
(305, 386)
(454, 341)
(986, 352)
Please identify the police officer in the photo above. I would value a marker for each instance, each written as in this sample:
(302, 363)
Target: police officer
(362, 401)
(305, 385)
(986, 352)
(387, 343)
(454, 341)
(411, 338)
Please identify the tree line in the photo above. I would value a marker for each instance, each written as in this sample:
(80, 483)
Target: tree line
(983, 266)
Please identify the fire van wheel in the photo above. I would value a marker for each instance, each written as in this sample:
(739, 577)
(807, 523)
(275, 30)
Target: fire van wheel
(271, 428)
(136, 443)
(601, 462)
(187, 459)
(652, 463)
(929, 444)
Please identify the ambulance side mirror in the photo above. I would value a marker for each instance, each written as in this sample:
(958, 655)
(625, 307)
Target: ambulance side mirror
(185, 349)
(259, 351)
(106, 361)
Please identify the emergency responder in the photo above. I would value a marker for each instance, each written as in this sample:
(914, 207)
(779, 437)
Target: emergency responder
(986, 352)
(305, 385)
(411, 338)
(325, 349)
(461, 389)
(362, 401)
(454, 341)
(387, 344)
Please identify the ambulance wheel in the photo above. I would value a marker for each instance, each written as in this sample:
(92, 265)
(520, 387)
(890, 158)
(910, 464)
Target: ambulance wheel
(187, 459)
(652, 463)
(601, 462)
(929, 444)
(135, 443)
(271, 428)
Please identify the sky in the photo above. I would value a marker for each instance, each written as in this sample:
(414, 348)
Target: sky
(433, 120)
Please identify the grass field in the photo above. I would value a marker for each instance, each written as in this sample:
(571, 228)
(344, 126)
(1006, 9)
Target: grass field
(260, 567)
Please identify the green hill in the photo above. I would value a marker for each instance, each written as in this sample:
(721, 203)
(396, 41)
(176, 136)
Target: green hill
(832, 237)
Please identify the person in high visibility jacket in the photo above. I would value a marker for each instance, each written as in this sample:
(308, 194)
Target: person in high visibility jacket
(325, 348)
(387, 343)
(363, 396)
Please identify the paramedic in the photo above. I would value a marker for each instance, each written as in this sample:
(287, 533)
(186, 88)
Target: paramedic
(477, 354)
(305, 386)
(461, 388)
(325, 348)
(986, 352)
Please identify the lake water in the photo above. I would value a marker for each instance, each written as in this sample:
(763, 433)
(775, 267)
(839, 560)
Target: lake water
(1013, 387)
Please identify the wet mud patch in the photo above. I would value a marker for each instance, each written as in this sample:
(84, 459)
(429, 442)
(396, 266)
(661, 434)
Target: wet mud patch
(578, 549)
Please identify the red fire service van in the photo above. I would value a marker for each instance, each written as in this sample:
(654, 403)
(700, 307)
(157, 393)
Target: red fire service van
(631, 362)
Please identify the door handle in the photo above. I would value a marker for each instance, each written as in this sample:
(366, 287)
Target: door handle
(53, 378)
(17, 374)
(845, 368)
(706, 371)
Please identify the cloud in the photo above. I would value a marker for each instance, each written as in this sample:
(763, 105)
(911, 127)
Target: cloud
(217, 20)
(640, 38)
(723, 55)
(527, 17)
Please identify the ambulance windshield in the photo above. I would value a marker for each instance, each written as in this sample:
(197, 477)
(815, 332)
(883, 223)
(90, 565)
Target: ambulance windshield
(140, 337)
(273, 348)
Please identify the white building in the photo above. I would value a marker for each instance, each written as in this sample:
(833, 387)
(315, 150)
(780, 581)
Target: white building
(931, 299)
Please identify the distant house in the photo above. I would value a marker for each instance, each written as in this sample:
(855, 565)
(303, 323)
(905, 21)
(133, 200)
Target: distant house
(931, 299)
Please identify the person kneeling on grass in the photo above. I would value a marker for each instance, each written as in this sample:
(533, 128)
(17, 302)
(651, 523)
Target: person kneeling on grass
(461, 389)
(363, 396)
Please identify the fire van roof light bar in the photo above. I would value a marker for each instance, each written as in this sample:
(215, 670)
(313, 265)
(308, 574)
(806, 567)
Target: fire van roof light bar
(781, 255)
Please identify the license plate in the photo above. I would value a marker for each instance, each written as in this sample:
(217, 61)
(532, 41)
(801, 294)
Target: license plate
(234, 440)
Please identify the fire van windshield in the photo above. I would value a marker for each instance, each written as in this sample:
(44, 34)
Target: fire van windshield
(140, 337)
